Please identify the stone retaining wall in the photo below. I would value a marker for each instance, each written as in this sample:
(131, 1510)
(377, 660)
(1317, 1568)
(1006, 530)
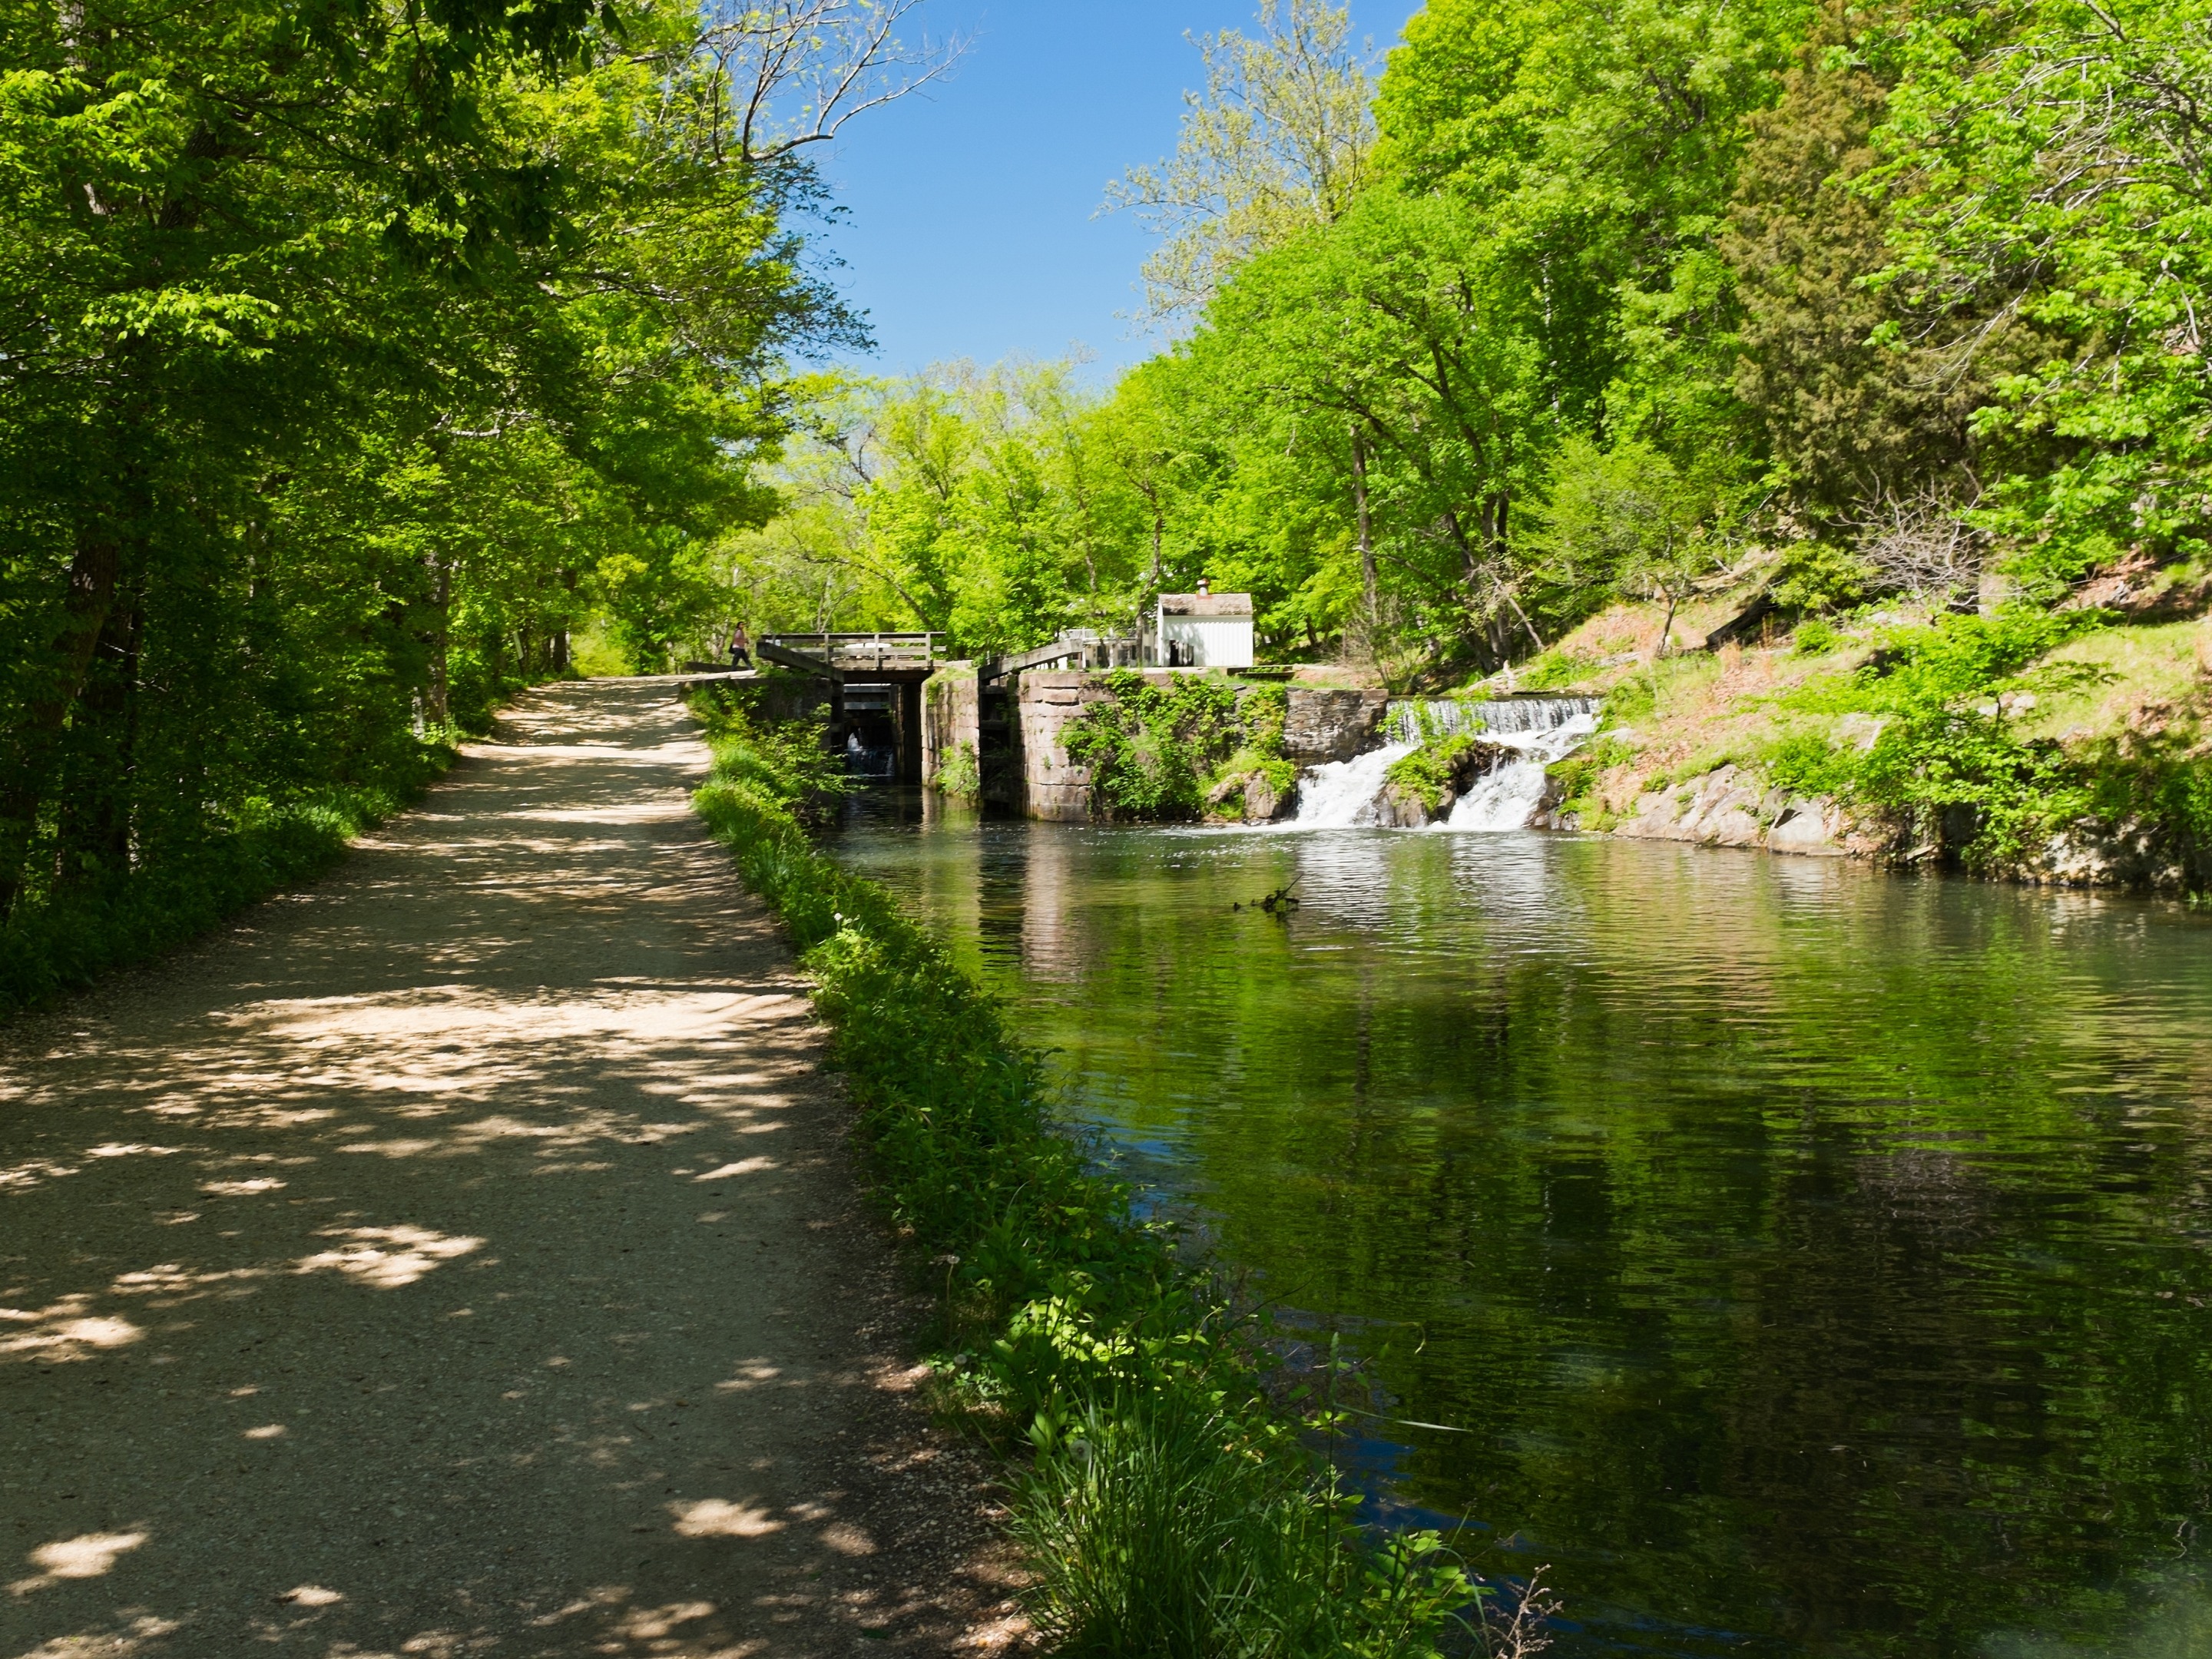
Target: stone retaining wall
(1324, 724)
(952, 714)
(1054, 787)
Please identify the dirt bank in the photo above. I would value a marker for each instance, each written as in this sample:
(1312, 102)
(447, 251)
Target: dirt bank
(461, 1257)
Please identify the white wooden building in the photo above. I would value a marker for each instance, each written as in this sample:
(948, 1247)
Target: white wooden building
(1205, 631)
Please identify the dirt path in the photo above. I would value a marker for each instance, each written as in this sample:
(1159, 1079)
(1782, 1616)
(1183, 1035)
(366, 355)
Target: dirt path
(460, 1257)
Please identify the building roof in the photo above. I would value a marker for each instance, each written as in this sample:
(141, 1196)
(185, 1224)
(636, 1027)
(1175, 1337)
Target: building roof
(1206, 605)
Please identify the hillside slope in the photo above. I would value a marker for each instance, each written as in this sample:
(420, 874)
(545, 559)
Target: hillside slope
(2071, 747)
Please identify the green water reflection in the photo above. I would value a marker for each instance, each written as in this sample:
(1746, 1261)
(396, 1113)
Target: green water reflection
(1817, 1258)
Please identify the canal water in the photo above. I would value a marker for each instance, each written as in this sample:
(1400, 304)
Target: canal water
(1795, 1259)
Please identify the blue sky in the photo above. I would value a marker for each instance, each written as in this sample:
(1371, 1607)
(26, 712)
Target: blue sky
(970, 227)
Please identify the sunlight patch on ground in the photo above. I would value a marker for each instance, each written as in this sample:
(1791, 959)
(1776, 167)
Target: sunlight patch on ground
(88, 1555)
(386, 1258)
(650, 1624)
(66, 1330)
(743, 1166)
(715, 1517)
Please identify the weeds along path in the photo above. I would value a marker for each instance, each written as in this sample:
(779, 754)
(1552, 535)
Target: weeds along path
(460, 1257)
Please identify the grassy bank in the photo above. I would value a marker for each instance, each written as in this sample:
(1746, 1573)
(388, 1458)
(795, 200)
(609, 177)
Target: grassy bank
(1166, 1508)
(62, 938)
(2041, 746)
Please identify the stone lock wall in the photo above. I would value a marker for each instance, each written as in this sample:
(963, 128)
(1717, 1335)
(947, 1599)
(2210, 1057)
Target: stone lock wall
(952, 714)
(1054, 787)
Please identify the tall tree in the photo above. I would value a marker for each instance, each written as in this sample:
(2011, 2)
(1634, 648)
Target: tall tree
(1280, 140)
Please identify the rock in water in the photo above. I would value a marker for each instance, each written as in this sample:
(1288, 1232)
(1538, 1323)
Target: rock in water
(1263, 805)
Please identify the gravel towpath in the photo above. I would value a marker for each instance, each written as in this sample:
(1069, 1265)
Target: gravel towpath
(461, 1257)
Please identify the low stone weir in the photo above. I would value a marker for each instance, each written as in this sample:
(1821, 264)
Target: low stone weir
(1409, 718)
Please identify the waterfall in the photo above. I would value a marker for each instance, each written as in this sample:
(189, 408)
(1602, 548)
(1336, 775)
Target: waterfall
(1343, 795)
(1408, 719)
(1506, 798)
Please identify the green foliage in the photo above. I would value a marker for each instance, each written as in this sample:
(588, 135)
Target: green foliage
(961, 774)
(1814, 637)
(1168, 1524)
(2044, 168)
(1553, 671)
(1850, 420)
(1167, 1507)
(1948, 765)
(344, 370)
(1432, 769)
(788, 760)
(1808, 763)
(1151, 748)
(1818, 577)
(1623, 521)
(91, 928)
(1574, 777)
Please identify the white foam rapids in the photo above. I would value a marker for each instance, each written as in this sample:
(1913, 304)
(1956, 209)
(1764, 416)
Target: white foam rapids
(1537, 731)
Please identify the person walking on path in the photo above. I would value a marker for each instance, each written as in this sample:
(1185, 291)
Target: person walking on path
(741, 649)
(462, 1255)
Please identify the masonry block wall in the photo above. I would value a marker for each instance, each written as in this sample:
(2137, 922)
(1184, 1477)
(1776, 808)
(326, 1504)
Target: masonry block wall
(1052, 786)
(952, 714)
(1323, 725)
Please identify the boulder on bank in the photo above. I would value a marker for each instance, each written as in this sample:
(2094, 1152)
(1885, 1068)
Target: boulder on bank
(1729, 807)
(1247, 798)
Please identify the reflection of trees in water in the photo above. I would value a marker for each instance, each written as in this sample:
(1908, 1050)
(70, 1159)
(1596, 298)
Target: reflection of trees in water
(1813, 1252)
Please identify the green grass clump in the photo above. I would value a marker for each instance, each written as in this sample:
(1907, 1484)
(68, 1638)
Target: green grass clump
(62, 938)
(1168, 1510)
(1952, 747)
(1430, 770)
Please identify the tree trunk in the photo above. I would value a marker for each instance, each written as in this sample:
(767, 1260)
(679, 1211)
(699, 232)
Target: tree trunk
(93, 827)
(1367, 582)
(437, 704)
(35, 745)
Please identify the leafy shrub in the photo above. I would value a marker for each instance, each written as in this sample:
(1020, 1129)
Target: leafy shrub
(1946, 752)
(1169, 1511)
(788, 760)
(1154, 750)
(1574, 777)
(1432, 769)
(1815, 637)
(960, 774)
(1816, 576)
(1807, 764)
(59, 939)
